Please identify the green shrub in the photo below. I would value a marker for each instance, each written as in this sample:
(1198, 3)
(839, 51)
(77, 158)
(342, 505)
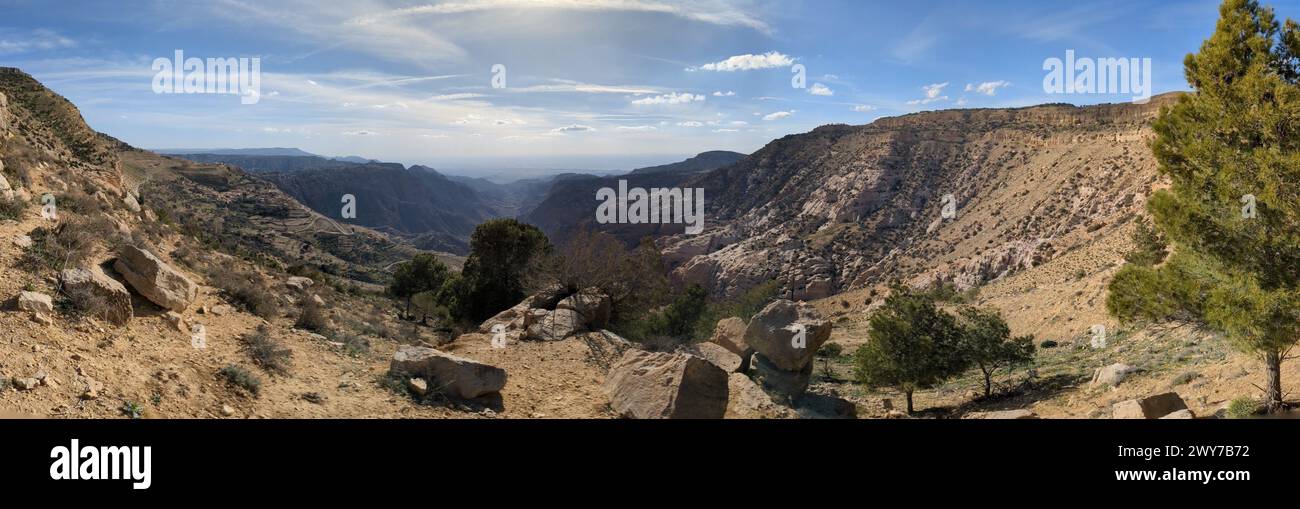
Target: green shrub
(241, 378)
(830, 350)
(312, 317)
(1244, 408)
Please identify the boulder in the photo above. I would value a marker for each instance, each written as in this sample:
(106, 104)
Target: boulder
(23, 241)
(772, 332)
(785, 386)
(1023, 413)
(556, 325)
(547, 299)
(38, 303)
(1181, 414)
(4, 183)
(730, 334)
(594, 306)
(511, 319)
(299, 283)
(1152, 407)
(177, 321)
(94, 292)
(1113, 374)
(717, 355)
(656, 385)
(746, 400)
(447, 373)
(155, 280)
(131, 203)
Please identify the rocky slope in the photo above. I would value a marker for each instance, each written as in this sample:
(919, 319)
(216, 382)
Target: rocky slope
(847, 207)
(418, 203)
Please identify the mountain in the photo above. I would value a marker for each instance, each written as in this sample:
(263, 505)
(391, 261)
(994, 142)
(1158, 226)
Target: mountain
(849, 207)
(570, 205)
(292, 152)
(703, 162)
(418, 203)
(354, 159)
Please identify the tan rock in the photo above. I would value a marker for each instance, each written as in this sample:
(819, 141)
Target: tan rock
(1023, 413)
(35, 302)
(717, 355)
(96, 293)
(774, 332)
(447, 373)
(155, 280)
(1151, 407)
(651, 385)
(556, 325)
(746, 400)
(594, 306)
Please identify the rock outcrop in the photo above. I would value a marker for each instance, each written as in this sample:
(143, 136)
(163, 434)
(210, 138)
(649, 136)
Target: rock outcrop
(785, 336)
(94, 292)
(651, 385)
(33, 302)
(155, 279)
(447, 373)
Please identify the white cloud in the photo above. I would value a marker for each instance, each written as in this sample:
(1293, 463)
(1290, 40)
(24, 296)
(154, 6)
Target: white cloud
(585, 88)
(778, 115)
(863, 108)
(715, 13)
(575, 128)
(362, 132)
(724, 94)
(767, 60)
(988, 87)
(932, 94)
(673, 98)
(961, 102)
(820, 89)
(690, 123)
(726, 130)
(14, 42)
(637, 128)
(455, 97)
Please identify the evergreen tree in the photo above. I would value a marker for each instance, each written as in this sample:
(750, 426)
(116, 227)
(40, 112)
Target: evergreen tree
(1231, 270)
(912, 345)
(987, 343)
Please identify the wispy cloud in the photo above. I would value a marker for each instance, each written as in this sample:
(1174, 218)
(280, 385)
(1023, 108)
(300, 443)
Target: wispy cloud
(932, 94)
(715, 12)
(988, 87)
(673, 98)
(13, 42)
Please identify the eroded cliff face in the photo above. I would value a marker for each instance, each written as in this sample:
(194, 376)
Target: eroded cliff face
(846, 207)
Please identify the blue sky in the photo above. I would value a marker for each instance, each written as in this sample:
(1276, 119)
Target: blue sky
(590, 84)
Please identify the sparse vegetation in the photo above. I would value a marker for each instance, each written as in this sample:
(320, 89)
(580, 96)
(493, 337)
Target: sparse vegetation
(312, 317)
(238, 377)
(267, 352)
(913, 345)
(1245, 408)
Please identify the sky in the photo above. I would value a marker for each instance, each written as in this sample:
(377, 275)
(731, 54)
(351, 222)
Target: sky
(587, 84)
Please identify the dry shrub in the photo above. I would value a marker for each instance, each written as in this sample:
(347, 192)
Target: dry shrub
(267, 352)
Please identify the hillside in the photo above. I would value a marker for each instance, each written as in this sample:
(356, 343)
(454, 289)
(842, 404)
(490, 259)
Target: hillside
(570, 205)
(849, 207)
(430, 210)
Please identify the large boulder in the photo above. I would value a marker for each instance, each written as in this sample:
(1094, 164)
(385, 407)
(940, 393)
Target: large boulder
(155, 280)
(746, 400)
(1152, 407)
(447, 373)
(1113, 374)
(785, 386)
(729, 333)
(299, 283)
(556, 325)
(655, 385)
(594, 306)
(717, 355)
(772, 332)
(94, 292)
(35, 302)
(511, 319)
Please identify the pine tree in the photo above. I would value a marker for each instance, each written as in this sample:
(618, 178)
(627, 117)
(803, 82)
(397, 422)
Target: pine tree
(987, 343)
(913, 345)
(1234, 141)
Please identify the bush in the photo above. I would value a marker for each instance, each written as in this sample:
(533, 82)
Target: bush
(267, 352)
(70, 244)
(253, 297)
(502, 254)
(12, 209)
(831, 350)
(241, 378)
(1244, 408)
(636, 281)
(353, 344)
(312, 317)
